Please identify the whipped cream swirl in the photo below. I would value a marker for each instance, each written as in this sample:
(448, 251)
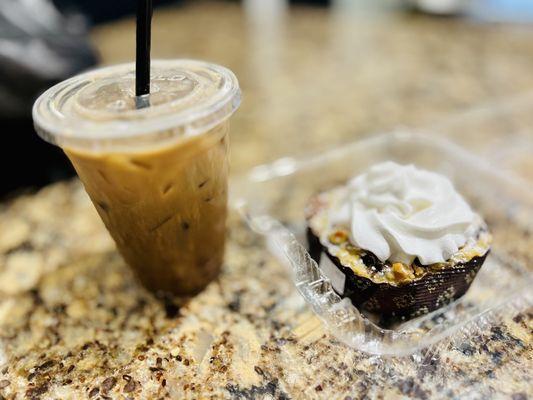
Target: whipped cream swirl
(400, 212)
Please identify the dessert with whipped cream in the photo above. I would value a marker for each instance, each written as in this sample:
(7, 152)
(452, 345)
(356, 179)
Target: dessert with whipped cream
(397, 240)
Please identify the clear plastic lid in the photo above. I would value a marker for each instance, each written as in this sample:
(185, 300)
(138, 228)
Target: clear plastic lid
(97, 109)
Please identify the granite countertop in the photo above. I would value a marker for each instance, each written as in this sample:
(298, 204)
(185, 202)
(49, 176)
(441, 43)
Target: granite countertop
(75, 324)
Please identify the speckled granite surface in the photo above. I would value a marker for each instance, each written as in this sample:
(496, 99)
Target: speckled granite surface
(75, 324)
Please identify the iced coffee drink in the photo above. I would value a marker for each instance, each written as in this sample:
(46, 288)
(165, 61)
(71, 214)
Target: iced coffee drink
(156, 175)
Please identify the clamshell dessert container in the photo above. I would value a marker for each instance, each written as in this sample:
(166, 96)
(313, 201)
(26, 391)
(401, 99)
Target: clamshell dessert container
(272, 198)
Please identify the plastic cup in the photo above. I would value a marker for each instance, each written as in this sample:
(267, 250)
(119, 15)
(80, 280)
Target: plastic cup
(158, 176)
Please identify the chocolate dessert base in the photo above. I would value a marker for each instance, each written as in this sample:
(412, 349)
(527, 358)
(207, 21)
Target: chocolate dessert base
(432, 291)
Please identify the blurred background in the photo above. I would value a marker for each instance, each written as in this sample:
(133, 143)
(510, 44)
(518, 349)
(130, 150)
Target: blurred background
(314, 74)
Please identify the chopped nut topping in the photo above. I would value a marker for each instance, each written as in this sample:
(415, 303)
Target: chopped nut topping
(402, 272)
(338, 237)
(418, 270)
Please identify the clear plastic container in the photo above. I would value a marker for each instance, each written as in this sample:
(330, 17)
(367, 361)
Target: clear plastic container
(272, 199)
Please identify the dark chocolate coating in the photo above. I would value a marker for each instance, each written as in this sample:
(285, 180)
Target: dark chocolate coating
(434, 290)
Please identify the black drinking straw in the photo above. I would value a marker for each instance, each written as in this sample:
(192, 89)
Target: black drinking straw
(142, 65)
